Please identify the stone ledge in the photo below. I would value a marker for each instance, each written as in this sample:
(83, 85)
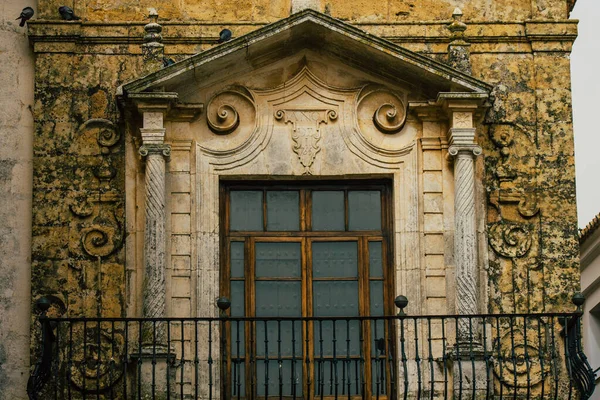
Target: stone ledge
(195, 33)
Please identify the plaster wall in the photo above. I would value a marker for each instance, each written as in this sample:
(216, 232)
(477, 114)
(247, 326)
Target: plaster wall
(16, 134)
(590, 287)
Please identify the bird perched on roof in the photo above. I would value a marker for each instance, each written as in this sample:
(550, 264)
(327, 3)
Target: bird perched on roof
(25, 16)
(167, 61)
(67, 13)
(224, 35)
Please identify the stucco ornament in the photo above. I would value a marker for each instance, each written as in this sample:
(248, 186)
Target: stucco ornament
(96, 364)
(510, 239)
(103, 235)
(222, 114)
(386, 109)
(518, 349)
(306, 132)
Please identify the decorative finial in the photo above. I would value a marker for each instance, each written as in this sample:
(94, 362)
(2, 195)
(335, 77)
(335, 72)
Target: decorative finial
(401, 302)
(153, 49)
(578, 300)
(223, 303)
(458, 49)
(457, 27)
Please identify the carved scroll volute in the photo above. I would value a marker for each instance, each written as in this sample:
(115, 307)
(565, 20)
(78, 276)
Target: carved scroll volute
(227, 109)
(382, 108)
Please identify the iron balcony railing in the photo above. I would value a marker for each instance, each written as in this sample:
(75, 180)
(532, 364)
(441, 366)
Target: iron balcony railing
(487, 356)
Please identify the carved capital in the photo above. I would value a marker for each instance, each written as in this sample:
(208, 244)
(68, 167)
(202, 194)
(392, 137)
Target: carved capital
(158, 149)
(470, 149)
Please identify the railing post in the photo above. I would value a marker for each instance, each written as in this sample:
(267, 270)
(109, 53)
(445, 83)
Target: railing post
(42, 371)
(223, 303)
(401, 302)
(579, 370)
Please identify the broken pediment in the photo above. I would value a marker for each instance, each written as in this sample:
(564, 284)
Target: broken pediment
(315, 83)
(324, 36)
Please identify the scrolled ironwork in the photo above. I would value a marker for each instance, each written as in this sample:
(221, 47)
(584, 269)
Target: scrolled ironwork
(580, 372)
(43, 368)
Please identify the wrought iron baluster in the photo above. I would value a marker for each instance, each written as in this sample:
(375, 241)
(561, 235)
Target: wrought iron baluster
(182, 363)
(444, 358)
(196, 361)
(526, 358)
(430, 360)
(125, 358)
(293, 383)
(279, 360)
(346, 383)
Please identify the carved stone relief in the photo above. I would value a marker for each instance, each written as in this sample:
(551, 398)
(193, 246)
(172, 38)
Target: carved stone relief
(101, 230)
(96, 363)
(231, 112)
(512, 226)
(382, 108)
(518, 342)
(371, 120)
(306, 132)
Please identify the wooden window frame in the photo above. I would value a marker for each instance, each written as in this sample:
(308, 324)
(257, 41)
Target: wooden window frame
(305, 236)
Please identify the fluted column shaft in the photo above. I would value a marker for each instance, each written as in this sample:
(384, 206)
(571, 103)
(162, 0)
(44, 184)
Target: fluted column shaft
(465, 238)
(154, 292)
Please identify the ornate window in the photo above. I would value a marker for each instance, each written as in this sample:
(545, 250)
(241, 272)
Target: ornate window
(309, 249)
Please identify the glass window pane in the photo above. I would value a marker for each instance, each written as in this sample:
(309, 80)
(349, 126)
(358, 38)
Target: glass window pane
(274, 375)
(376, 297)
(345, 375)
(278, 260)
(237, 310)
(283, 211)
(279, 338)
(278, 299)
(378, 377)
(328, 211)
(335, 259)
(237, 298)
(375, 260)
(238, 377)
(237, 259)
(345, 337)
(237, 339)
(335, 299)
(246, 211)
(364, 210)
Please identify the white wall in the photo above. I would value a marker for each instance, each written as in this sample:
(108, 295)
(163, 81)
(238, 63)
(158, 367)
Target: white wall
(16, 135)
(590, 286)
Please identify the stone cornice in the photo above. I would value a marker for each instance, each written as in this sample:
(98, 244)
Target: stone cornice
(195, 33)
(166, 102)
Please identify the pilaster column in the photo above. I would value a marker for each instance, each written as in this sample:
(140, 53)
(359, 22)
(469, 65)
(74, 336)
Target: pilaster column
(154, 151)
(465, 238)
(464, 150)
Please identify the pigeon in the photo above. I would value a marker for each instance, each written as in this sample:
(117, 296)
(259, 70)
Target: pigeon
(26, 15)
(224, 36)
(167, 61)
(67, 13)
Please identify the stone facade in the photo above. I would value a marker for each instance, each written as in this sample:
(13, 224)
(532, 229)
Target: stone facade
(480, 155)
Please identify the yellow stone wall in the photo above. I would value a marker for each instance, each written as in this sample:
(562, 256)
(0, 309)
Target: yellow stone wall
(527, 172)
(389, 11)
